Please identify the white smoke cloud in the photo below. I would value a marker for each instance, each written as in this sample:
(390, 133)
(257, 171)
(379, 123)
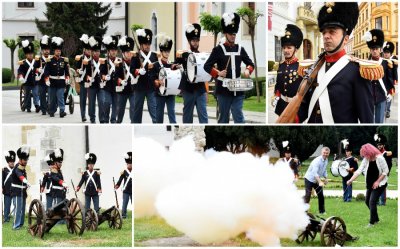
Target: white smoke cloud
(218, 196)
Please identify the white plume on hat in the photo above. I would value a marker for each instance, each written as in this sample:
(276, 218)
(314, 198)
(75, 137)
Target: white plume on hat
(84, 38)
(107, 39)
(92, 41)
(345, 142)
(47, 158)
(122, 41)
(7, 153)
(126, 156)
(189, 28)
(141, 32)
(25, 43)
(285, 143)
(45, 39)
(87, 156)
(228, 18)
(57, 40)
(163, 38)
(25, 149)
(376, 136)
(367, 36)
(57, 153)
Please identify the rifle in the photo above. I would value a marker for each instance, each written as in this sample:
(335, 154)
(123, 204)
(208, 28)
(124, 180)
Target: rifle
(289, 114)
(76, 196)
(40, 188)
(115, 193)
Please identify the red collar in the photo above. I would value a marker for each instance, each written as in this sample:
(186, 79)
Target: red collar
(227, 44)
(291, 61)
(164, 61)
(127, 61)
(375, 58)
(335, 57)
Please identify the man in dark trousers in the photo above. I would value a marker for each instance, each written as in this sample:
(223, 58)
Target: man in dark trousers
(59, 186)
(43, 88)
(6, 183)
(352, 161)
(293, 163)
(126, 176)
(46, 185)
(388, 50)
(91, 178)
(381, 142)
(228, 57)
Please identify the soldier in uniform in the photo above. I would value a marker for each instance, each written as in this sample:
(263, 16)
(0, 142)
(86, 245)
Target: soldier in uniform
(6, 183)
(82, 65)
(193, 94)
(380, 88)
(165, 45)
(228, 57)
(59, 186)
(126, 176)
(353, 163)
(288, 80)
(26, 72)
(124, 88)
(91, 178)
(112, 74)
(47, 183)
(381, 141)
(287, 158)
(57, 78)
(343, 94)
(93, 78)
(388, 50)
(140, 67)
(43, 88)
(19, 184)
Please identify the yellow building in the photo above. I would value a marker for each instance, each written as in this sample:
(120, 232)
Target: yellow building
(376, 15)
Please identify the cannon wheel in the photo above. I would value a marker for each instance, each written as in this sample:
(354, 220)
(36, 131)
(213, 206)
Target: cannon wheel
(333, 232)
(22, 97)
(36, 218)
(75, 217)
(91, 220)
(115, 221)
(71, 104)
(308, 234)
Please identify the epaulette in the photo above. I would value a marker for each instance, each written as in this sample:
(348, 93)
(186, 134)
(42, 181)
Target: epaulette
(370, 70)
(122, 172)
(78, 57)
(37, 57)
(85, 61)
(102, 60)
(180, 53)
(21, 62)
(134, 54)
(304, 66)
(54, 171)
(117, 61)
(158, 54)
(66, 59)
(395, 61)
(48, 59)
(21, 167)
(389, 62)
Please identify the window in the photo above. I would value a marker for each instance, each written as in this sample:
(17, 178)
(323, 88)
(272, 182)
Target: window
(214, 8)
(307, 5)
(117, 4)
(378, 23)
(387, 23)
(26, 4)
(378, 4)
(202, 8)
(278, 49)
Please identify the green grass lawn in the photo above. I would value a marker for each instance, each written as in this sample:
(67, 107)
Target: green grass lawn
(59, 236)
(355, 215)
(359, 184)
(249, 104)
(11, 84)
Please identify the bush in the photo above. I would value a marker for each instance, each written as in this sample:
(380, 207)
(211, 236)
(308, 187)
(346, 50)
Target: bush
(253, 92)
(360, 197)
(271, 65)
(6, 75)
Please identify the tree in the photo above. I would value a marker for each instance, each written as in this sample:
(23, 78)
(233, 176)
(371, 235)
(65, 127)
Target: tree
(211, 24)
(12, 45)
(135, 27)
(250, 18)
(69, 20)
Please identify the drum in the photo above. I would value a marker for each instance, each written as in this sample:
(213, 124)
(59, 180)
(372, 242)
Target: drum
(195, 67)
(172, 79)
(339, 167)
(236, 85)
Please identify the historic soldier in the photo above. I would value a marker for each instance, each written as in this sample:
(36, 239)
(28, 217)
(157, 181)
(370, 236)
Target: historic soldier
(343, 94)
(59, 186)
(288, 80)
(388, 50)
(228, 57)
(352, 161)
(380, 88)
(293, 163)
(57, 77)
(140, 67)
(165, 45)
(193, 94)
(124, 88)
(91, 178)
(19, 184)
(94, 79)
(6, 183)
(126, 177)
(46, 181)
(381, 141)
(26, 72)
(113, 73)
(82, 66)
(43, 88)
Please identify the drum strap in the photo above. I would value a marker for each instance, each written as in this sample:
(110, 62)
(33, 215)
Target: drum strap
(146, 58)
(381, 81)
(232, 55)
(112, 65)
(127, 179)
(44, 59)
(8, 175)
(90, 178)
(84, 71)
(29, 69)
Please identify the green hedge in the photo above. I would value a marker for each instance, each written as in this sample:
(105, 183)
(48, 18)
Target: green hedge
(271, 65)
(253, 92)
(6, 75)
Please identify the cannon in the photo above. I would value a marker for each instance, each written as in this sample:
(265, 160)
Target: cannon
(112, 216)
(41, 221)
(333, 231)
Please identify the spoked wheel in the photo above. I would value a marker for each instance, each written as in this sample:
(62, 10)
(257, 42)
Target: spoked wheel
(333, 232)
(71, 104)
(309, 233)
(115, 221)
(75, 217)
(91, 220)
(22, 95)
(36, 219)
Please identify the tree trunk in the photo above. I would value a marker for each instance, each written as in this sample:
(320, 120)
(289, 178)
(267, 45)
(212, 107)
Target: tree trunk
(12, 66)
(215, 39)
(255, 64)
